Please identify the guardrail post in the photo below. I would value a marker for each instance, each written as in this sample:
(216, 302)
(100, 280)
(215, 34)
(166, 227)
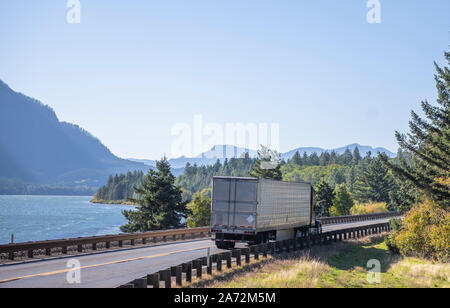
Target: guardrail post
(199, 268)
(164, 238)
(210, 266)
(219, 262)
(264, 250)
(144, 241)
(132, 242)
(63, 250)
(272, 248)
(140, 283)
(228, 257)
(255, 252)
(48, 252)
(153, 279)
(80, 248)
(237, 255)
(167, 278)
(11, 255)
(174, 237)
(120, 243)
(294, 244)
(327, 238)
(94, 246)
(287, 244)
(30, 253)
(247, 255)
(189, 272)
(108, 245)
(178, 276)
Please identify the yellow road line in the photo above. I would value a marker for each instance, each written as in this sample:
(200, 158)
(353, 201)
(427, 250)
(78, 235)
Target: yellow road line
(103, 264)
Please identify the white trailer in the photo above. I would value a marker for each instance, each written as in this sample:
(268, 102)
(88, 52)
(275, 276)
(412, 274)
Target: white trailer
(255, 211)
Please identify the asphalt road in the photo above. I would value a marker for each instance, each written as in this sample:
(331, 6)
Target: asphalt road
(113, 268)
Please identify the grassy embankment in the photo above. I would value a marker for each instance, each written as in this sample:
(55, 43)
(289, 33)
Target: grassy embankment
(341, 265)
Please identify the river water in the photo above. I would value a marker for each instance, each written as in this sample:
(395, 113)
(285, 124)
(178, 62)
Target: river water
(36, 218)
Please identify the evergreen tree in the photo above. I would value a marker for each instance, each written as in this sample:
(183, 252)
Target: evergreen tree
(403, 197)
(342, 202)
(161, 205)
(374, 183)
(267, 165)
(314, 159)
(347, 157)
(356, 156)
(324, 159)
(333, 157)
(428, 143)
(296, 159)
(324, 199)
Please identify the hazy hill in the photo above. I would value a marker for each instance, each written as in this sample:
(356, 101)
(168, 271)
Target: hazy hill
(35, 147)
(229, 151)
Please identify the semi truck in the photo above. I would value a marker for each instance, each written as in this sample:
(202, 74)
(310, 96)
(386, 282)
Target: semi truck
(253, 211)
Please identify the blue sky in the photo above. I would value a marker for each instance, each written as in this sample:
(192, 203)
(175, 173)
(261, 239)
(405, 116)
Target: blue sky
(132, 69)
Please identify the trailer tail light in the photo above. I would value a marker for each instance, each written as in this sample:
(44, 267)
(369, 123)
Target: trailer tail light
(249, 232)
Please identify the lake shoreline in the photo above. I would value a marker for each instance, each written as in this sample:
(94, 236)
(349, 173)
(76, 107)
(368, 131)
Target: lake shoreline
(115, 202)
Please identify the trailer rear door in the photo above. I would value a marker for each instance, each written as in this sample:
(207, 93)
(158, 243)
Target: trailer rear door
(234, 203)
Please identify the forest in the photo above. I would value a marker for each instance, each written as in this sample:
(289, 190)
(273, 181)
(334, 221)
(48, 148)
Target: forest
(119, 188)
(365, 179)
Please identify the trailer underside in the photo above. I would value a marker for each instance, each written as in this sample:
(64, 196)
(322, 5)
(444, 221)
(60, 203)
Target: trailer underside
(225, 240)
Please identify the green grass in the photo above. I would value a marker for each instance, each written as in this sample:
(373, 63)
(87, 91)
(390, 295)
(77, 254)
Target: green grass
(341, 265)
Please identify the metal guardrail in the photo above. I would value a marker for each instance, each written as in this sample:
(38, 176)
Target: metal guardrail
(355, 218)
(176, 274)
(91, 242)
(64, 244)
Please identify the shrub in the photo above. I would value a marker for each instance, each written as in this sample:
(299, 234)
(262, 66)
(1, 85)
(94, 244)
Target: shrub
(396, 224)
(369, 208)
(425, 233)
(200, 209)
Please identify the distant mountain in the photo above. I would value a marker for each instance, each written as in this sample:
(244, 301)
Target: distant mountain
(228, 151)
(204, 159)
(363, 149)
(35, 147)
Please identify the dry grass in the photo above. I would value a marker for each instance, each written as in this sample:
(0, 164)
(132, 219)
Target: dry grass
(421, 274)
(339, 265)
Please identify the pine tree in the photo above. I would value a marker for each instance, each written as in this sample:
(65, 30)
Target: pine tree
(374, 182)
(356, 156)
(161, 205)
(428, 144)
(324, 199)
(347, 157)
(403, 197)
(342, 202)
(296, 159)
(267, 165)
